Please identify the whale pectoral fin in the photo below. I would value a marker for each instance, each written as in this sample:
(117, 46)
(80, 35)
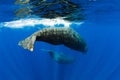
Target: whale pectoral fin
(28, 43)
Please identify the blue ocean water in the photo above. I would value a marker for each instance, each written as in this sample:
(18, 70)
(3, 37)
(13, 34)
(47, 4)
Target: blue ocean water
(102, 34)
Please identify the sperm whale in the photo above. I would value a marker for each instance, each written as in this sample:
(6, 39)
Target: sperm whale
(59, 57)
(56, 36)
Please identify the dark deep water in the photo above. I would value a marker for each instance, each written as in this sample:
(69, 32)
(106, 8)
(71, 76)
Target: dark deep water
(101, 31)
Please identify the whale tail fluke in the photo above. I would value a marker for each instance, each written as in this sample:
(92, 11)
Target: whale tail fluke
(28, 43)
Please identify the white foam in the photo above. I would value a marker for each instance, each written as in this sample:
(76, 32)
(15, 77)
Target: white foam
(32, 22)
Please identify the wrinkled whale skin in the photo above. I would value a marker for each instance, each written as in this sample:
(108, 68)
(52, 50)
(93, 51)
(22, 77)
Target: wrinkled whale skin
(56, 36)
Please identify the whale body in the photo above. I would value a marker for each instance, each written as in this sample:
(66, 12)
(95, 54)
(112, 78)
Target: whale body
(61, 57)
(56, 36)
